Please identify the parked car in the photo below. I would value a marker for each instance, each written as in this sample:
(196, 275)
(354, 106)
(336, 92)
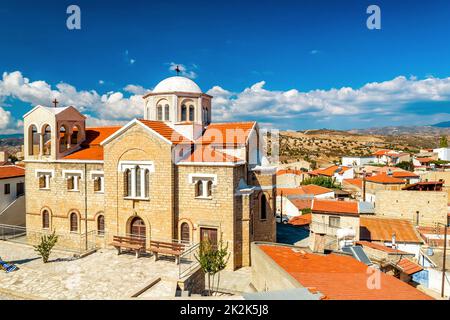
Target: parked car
(284, 219)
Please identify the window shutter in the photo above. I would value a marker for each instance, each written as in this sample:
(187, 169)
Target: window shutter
(70, 183)
(97, 184)
(147, 183)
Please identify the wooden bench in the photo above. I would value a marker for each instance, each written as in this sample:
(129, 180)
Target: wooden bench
(167, 248)
(134, 244)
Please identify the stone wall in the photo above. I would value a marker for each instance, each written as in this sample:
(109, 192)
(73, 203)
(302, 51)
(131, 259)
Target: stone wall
(430, 207)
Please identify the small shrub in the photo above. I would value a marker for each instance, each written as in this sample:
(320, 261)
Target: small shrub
(45, 247)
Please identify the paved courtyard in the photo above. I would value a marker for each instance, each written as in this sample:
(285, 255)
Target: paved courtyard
(101, 275)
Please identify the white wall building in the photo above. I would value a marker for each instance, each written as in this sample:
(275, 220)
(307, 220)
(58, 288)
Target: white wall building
(357, 161)
(443, 153)
(12, 201)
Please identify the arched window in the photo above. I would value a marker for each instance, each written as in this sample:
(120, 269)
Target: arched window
(101, 225)
(47, 132)
(191, 113)
(127, 183)
(73, 222)
(160, 112)
(209, 188)
(75, 137)
(45, 220)
(199, 188)
(63, 139)
(184, 113)
(263, 207)
(33, 141)
(166, 112)
(185, 233)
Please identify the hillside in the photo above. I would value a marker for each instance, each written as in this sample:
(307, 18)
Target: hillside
(322, 147)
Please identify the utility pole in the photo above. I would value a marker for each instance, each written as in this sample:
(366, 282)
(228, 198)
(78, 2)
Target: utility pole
(364, 186)
(444, 260)
(85, 206)
(281, 207)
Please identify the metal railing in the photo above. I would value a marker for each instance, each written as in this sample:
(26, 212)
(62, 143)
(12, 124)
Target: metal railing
(188, 261)
(78, 243)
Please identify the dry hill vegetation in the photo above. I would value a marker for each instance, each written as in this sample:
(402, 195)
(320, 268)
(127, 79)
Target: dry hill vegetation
(322, 147)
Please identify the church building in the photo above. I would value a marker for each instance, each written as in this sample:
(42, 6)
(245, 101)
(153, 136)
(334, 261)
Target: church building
(174, 175)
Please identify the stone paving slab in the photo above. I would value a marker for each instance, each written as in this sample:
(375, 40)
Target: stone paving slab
(101, 275)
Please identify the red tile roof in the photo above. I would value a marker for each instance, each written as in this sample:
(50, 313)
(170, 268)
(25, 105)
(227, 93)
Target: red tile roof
(310, 189)
(204, 153)
(11, 171)
(409, 267)
(382, 229)
(339, 277)
(425, 160)
(289, 171)
(335, 207)
(301, 204)
(383, 152)
(167, 132)
(91, 148)
(302, 220)
(330, 171)
(356, 182)
(230, 133)
(380, 247)
(385, 179)
(404, 174)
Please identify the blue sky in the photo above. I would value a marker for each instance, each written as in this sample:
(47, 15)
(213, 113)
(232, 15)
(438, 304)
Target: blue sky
(288, 64)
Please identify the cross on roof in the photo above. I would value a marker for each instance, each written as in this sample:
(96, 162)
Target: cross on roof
(55, 102)
(178, 70)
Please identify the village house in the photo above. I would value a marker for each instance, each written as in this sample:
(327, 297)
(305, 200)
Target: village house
(380, 182)
(334, 224)
(290, 178)
(12, 190)
(423, 163)
(174, 176)
(391, 157)
(292, 202)
(443, 153)
(358, 161)
(337, 173)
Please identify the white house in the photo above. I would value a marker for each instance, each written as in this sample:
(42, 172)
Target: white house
(443, 153)
(12, 200)
(357, 161)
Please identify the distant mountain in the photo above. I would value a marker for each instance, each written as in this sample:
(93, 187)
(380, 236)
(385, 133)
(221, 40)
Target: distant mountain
(442, 124)
(404, 130)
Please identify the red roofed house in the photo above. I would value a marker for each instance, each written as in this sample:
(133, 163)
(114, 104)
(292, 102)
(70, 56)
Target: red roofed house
(12, 200)
(338, 173)
(334, 224)
(391, 157)
(171, 175)
(382, 182)
(291, 202)
(332, 276)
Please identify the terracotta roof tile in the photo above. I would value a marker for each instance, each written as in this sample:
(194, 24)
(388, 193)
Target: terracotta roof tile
(404, 174)
(302, 204)
(409, 267)
(382, 229)
(339, 277)
(356, 182)
(425, 160)
(302, 220)
(11, 171)
(310, 189)
(90, 148)
(204, 153)
(330, 171)
(385, 179)
(289, 171)
(335, 207)
(230, 133)
(167, 132)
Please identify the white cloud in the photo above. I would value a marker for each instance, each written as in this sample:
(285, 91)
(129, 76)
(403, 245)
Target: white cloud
(373, 99)
(386, 100)
(184, 70)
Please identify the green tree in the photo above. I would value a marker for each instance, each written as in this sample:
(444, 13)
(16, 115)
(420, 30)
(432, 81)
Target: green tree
(325, 182)
(406, 165)
(44, 248)
(212, 259)
(443, 142)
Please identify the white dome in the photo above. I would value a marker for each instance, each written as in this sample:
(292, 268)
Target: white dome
(177, 84)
